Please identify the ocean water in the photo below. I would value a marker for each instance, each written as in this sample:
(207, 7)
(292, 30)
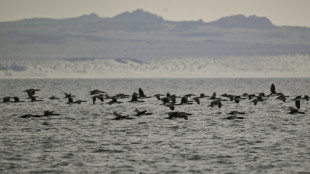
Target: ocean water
(84, 139)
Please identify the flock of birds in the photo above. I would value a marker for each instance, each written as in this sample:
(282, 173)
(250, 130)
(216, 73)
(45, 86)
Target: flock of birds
(167, 100)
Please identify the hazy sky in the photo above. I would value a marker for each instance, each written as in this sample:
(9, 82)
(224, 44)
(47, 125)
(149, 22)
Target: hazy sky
(280, 12)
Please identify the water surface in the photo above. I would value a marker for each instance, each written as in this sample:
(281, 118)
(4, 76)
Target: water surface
(84, 139)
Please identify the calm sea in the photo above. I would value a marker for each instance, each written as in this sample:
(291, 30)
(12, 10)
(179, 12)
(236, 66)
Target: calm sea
(84, 139)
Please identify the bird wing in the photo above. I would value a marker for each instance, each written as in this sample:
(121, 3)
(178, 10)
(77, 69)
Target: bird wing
(272, 89)
(297, 104)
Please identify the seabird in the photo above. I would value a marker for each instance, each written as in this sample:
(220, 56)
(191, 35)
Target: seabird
(49, 113)
(213, 97)
(140, 113)
(96, 91)
(120, 96)
(217, 102)
(45, 113)
(34, 99)
(114, 100)
(178, 115)
(273, 89)
(297, 98)
(16, 100)
(202, 95)
(306, 97)
(31, 92)
(184, 100)
(53, 98)
(196, 99)
(165, 100)
(68, 95)
(99, 97)
(255, 101)
(120, 117)
(6, 99)
(70, 101)
(232, 117)
(235, 112)
(282, 97)
(236, 99)
(296, 110)
(173, 98)
(79, 101)
(29, 116)
(141, 93)
(170, 105)
(250, 96)
(134, 98)
(158, 96)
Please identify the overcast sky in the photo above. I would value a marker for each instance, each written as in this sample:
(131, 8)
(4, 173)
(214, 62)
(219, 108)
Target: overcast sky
(280, 12)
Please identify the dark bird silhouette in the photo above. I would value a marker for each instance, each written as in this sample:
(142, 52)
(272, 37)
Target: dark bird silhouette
(306, 97)
(16, 100)
(297, 104)
(297, 98)
(49, 113)
(34, 99)
(172, 115)
(29, 116)
(79, 101)
(158, 96)
(232, 117)
(217, 102)
(134, 98)
(235, 112)
(273, 89)
(282, 97)
(45, 113)
(141, 93)
(196, 99)
(53, 98)
(202, 95)
(120, 117)
(140, 113)
(114, 100)
(31, 92)
(255, 101)
(296, 110)
(96, 91)
(99, 97)
(165, 100)
(68, 95)
(170, 105)
(121, 96)
(6, 99)
(184, 100)
(70, 101)
(213, 97)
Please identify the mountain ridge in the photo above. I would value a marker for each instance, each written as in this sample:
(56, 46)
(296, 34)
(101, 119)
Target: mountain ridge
(139, 14)
(141, 34)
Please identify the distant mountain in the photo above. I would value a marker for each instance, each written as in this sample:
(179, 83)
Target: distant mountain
(241, 21)
(141, 34)
(138, 16)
